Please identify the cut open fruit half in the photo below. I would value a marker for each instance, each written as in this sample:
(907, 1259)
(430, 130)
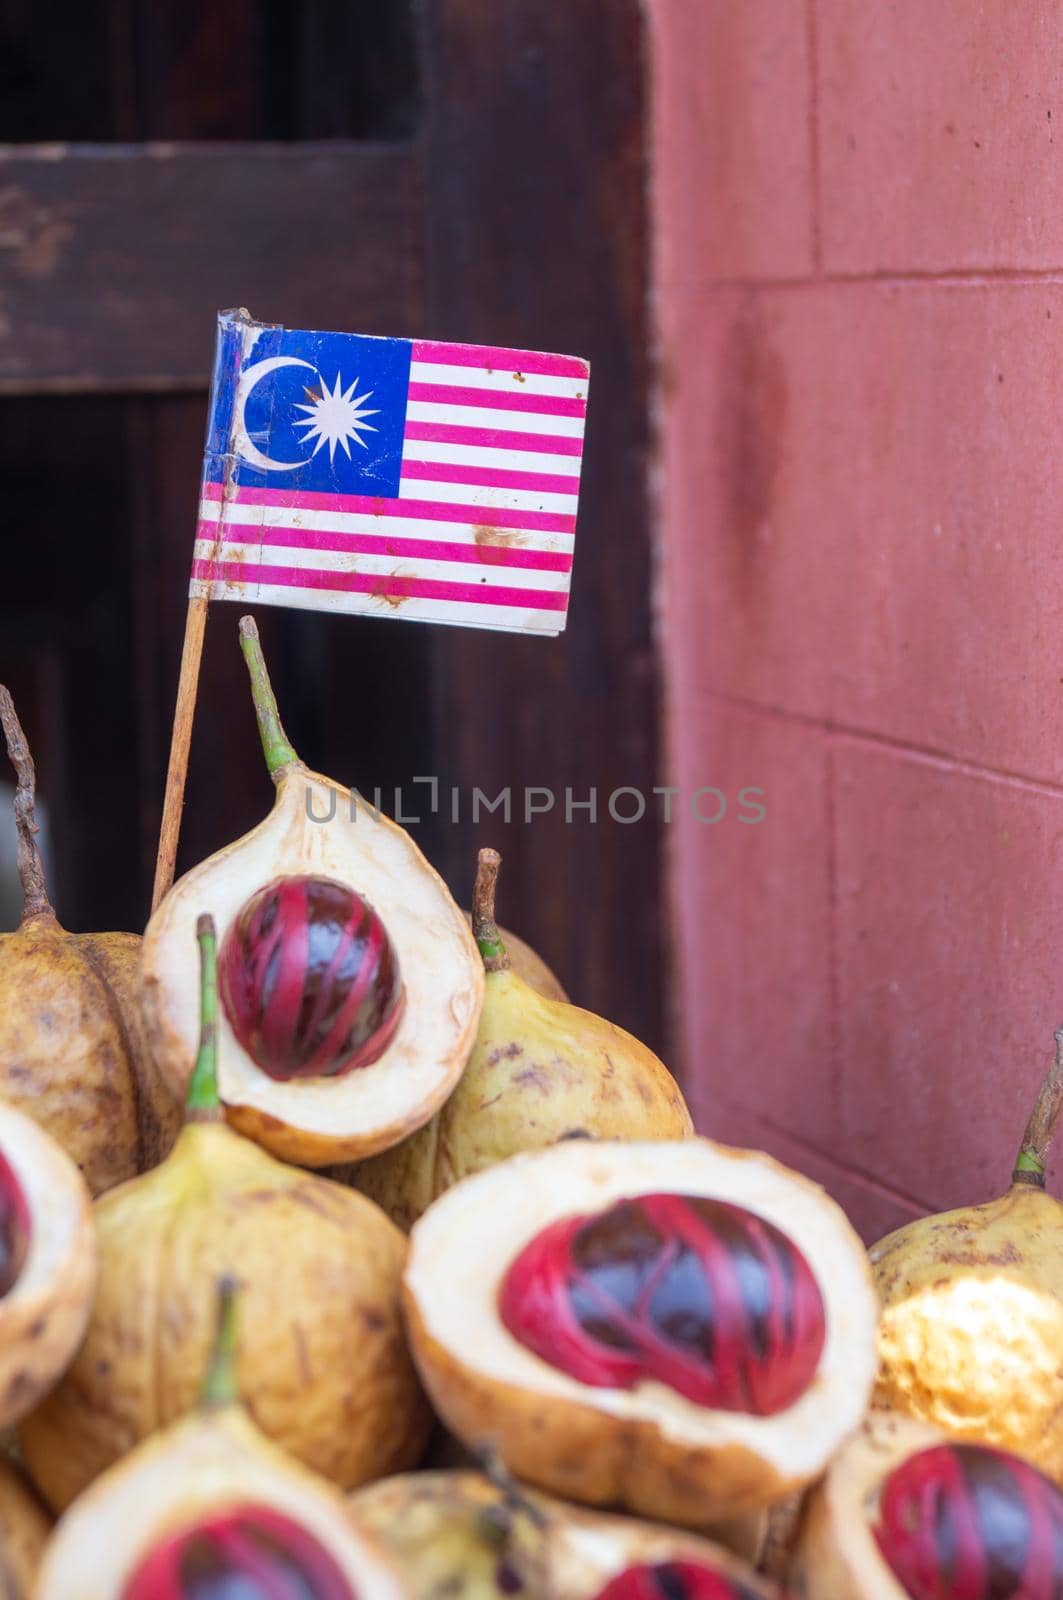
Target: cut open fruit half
(617, 1558)
(906, 1512)
(47, 1262)
(648, 1336)
(210, 1507)
(346, 966)
(837, 1556)
(463, 1536)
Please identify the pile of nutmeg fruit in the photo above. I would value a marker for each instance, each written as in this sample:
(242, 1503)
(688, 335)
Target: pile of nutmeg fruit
(341, 1258)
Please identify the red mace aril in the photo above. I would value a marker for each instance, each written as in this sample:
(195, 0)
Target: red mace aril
(966, 1522)
(697, 1293)
(310, 980)
(249, 1552)
(674, 1580)
(691, 1262)
(15, 1227)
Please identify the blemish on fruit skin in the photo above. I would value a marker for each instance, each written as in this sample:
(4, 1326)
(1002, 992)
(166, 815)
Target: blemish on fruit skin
(313, 1202)
(1007, 1256)
(505, 1052)
(536, 1077)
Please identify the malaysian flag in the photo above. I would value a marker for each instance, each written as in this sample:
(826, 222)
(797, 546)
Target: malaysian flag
(390, 477)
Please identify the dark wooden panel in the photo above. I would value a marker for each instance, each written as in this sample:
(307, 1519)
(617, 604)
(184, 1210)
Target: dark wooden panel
(113, 259)
(343, 71)
(55, 75)
(538, 236)
(187, 71)
(66, 621)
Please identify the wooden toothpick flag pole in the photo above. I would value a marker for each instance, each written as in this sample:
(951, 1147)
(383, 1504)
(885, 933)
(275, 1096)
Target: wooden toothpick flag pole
(180, 742)
(385, 477)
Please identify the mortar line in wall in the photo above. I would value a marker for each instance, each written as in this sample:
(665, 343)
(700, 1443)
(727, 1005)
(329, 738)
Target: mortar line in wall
(833, 954)
(982, 278)
(848, 1168)
(815, 187)
(923, 755)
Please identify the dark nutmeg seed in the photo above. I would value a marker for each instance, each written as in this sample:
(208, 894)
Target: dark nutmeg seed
(967, 1522)
(15, 1227)
(310, 980)
(674, 1580)
(245, 1553)
(696, 1293)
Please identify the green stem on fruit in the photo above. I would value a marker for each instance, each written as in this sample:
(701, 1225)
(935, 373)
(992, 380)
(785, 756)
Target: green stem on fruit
(220, 1386)
(1033, 1152)
(35, 902)
(484, 927)
(275, 747)
(203, 1103)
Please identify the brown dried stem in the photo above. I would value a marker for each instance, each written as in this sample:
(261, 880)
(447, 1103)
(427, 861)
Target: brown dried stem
(35, 900)
(1033, 1152)
(484, 927)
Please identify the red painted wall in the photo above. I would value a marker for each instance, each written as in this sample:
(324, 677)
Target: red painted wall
(860, 299)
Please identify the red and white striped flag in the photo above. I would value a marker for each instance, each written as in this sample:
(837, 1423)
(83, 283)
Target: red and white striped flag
(391, 477)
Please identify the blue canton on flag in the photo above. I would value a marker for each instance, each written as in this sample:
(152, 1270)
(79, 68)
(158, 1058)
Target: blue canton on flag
(391, 477)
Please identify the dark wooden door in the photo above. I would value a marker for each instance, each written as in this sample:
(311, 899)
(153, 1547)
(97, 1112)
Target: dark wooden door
(457, 169)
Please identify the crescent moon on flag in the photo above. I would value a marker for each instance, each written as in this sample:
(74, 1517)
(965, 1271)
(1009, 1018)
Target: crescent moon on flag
(245, 449)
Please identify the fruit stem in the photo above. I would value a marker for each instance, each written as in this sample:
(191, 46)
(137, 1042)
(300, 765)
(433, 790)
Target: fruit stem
(203, 1103)
(514, 1498)
(275, 747)
(35, 902)
(496, 1523)
(484, 926)
(1033, 1152)
(220, 1386)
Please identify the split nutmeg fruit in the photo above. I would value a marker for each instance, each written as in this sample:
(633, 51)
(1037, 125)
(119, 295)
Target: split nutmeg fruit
(324, 1366)
(72, 1050)
(47, 1262)
(680, 1329)
(350, 983)
(906, 1513)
